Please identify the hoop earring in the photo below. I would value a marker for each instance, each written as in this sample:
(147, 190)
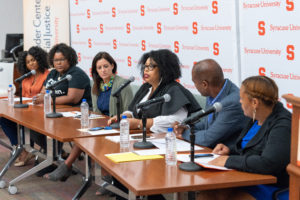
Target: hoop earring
(254, 113)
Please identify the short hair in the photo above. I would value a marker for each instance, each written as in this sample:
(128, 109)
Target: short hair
(210, 71)
(68, 52)
(96, 78)
(167, 62)
(263, 88)
(38, 54)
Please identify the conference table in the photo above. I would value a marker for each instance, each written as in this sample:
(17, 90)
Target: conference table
(142, 178)
(149, 177)
(63, 129)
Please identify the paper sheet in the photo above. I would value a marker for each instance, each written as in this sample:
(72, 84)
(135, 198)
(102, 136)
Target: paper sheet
(132, 137)
(103, 132)
(202, 161)
(77, 114)
(18, 99)
(181, 145)
(130, 156)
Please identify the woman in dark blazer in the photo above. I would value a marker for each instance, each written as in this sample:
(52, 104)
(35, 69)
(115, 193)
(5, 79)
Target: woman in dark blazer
(264, 144)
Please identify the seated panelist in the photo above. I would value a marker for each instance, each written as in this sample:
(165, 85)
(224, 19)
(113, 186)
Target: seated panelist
(223, 126)
(105, 82)
(33, 59)
(64, 59)
(264, 144)
(160, 69)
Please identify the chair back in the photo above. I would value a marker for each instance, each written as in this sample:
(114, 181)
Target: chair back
(6, 77)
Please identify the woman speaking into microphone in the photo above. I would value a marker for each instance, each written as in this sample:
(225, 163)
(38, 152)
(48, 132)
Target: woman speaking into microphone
(160, 69)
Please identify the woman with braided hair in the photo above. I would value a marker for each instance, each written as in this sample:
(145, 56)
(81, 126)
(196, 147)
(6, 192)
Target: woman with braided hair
(264, 144)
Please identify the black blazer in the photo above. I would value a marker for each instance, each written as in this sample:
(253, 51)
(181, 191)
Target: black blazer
(268, 152)
(179, 97)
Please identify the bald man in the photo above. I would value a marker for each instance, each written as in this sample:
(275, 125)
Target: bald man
(226, 125)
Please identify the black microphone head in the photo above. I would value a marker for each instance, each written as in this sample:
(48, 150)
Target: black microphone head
(68, 77)
(33, 72)
(167, 97)
(131, 78)
(217, 106)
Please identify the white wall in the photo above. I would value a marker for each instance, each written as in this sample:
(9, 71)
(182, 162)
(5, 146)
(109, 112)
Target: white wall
(11, 18)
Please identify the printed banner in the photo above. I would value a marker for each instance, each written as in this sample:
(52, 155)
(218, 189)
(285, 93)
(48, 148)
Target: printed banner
(46, 23)
(194, 30)
(269, 41)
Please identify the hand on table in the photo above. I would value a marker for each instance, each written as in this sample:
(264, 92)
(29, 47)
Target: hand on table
(221, 149)
(178, 130)
(39, 98)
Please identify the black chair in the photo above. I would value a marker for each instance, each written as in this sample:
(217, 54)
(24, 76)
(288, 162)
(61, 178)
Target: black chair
(281, 194)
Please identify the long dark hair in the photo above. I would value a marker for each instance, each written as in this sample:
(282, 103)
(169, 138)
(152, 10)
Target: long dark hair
(96, 78)
(39, 55)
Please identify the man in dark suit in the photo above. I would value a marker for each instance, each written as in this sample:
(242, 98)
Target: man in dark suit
(224, 126)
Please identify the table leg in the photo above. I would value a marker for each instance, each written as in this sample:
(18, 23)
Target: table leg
(42, 165)
(16, 152)
(191, 195)
(131, 195)
(87, 180)
(6, 145)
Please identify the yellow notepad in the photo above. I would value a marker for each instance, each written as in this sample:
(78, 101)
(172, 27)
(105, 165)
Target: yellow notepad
(129, 156)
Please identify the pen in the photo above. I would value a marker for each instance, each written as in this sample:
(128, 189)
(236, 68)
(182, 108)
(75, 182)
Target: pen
(203, 155)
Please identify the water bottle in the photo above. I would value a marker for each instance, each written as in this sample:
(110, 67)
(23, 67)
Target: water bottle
(124, 132)
(84, 108)
(10, 94)
(171, 153)
(47, 102)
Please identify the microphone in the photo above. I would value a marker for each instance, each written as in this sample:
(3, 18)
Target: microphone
(68, 77)
(165, 98)
(1, 69)
(217, 107)
(127, 82)
(32, 72)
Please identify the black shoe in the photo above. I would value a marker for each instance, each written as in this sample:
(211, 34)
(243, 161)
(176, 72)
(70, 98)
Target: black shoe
(46, 170)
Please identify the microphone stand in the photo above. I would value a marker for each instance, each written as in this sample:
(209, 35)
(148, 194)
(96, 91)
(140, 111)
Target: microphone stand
(118, 104)
(143, 144)
(191, 166)
(54, 114)
(20, 105)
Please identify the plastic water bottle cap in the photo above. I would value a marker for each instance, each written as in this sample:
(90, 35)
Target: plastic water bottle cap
(9, 85)
(170, 129)
(83, 100)
(47, 91)
(124, 117)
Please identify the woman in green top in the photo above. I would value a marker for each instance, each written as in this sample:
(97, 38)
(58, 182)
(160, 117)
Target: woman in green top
(106, 82)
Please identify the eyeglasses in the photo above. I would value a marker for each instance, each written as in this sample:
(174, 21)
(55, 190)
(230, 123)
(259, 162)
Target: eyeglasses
(149, 67)
(59, 60)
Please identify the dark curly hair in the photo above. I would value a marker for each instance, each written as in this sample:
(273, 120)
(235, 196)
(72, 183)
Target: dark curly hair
(68, 52)
(96, 78)
(167, 62)
(39, 55)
